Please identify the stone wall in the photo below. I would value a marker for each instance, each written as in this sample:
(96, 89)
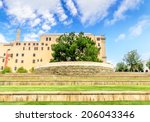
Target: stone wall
(76, 96)
(75, 68)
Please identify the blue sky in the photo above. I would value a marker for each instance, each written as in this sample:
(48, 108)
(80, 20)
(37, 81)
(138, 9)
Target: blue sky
(125, 23)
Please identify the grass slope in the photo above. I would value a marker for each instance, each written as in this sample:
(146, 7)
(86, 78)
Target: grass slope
(75, 88)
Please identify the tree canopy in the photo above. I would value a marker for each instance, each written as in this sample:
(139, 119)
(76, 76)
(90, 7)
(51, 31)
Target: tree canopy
(121, 67)
(131, 62)
(73, 47)
(148, 64)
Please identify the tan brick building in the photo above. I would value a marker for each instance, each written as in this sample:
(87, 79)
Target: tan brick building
(34, 54)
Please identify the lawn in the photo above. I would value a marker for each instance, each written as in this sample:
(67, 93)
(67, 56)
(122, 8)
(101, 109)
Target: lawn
(79, 103)
(76, 88)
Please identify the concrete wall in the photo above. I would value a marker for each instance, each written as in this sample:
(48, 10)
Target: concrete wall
(76, 96)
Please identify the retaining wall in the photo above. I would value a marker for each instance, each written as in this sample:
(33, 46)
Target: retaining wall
(76, 96)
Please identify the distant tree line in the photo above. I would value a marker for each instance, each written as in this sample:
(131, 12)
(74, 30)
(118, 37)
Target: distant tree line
(132, 62)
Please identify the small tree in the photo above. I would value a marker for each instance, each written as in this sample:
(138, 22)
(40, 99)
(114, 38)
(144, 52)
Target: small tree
(22, 70)
(72, 47)
(6, 70)
(148, 64)
(121, 67)
(133, 61)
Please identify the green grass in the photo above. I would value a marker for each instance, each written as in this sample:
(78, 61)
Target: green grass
(79, 103)
(75, 88)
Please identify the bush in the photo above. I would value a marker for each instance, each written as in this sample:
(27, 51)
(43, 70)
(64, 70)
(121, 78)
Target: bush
(32, 69)
(6, 70)
(22, 70)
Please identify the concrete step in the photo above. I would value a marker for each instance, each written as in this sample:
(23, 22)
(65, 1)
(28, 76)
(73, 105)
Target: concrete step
(76, 96)
(72, 83)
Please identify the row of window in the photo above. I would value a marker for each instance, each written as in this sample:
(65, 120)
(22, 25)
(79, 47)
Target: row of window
(22, 61)
(36, 48)
(18, 55)
(100, 38)
(33, 61)
(34, 44)
(48, 39)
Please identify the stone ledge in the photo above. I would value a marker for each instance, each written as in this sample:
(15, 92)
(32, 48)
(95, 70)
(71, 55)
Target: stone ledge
(76, 96)
(75, 68)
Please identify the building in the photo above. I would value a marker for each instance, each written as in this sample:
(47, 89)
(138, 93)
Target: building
(34, 54)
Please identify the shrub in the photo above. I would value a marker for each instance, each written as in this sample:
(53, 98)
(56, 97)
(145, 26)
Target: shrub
(32, 69)
(6, 70)
(22, 70)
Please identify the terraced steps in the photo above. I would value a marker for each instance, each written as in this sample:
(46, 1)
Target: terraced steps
(102, 87)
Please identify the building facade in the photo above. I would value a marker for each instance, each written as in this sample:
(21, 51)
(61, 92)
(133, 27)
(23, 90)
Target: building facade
(34, 54)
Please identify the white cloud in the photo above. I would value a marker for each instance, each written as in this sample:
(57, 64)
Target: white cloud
(68, 22)
(121, 37)
(1, 4)
(35, 22)
(71, 7)
(2, 39)
(36, 12)
(93, 10)
(46, 27)
(140, 26)
(31, 37)
(61, 14)
(123, 8)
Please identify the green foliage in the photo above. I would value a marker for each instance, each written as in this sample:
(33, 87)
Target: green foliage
(133, 61)
(22, 70)
(121, 67)
(72, 47)
(32, 69)
(148, 64)
(6, 70)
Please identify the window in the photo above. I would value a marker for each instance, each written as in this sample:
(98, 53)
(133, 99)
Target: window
(48, 48)
(22, 61)
(22, 55)
(16, 61)
(24, 43)
(23, 48)
(34, 55)
(37, 44)
(98, 39)
(35, 48)
(3, 60)
(4, 54)
(1, 67)
(99, 44)
(37, 60)
(11, 55)
(28, 43)
(46, 44)
(29, 48)
(33, 61)
(42, 48)
(47, 39)
(15, 68)
(17, 54)
(41, 60)
(42, 43)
